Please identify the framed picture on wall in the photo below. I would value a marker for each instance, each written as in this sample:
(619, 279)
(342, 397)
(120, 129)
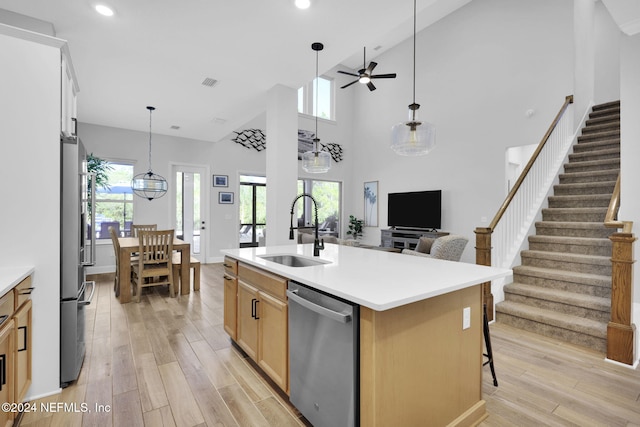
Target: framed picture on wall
(225, 198)
(220, 180)
(371, 204)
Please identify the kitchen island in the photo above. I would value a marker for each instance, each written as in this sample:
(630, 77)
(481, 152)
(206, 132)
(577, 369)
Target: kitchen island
(419, 365)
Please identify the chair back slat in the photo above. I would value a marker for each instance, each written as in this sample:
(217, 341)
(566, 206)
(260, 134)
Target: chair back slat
(156, 246)
(136, 228)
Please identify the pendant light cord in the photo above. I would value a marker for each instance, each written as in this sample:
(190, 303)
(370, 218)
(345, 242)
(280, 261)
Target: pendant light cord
(150, 111)
(414, 52)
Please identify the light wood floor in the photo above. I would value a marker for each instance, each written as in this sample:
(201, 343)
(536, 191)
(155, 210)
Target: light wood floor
(167, 361)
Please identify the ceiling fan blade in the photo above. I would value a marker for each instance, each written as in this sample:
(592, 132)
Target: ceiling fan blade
(383, 76)
(371, 66)
(371, 86)
(349, 74)
(349, 84)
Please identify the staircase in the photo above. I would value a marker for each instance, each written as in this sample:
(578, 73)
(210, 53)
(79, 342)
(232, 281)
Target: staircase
(563, 287)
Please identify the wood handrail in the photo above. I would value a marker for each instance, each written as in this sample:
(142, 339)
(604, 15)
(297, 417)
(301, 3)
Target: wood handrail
(611, 218)
(568, 100)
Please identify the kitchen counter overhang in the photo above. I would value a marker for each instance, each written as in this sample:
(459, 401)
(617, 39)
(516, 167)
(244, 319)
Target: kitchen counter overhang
(378, 280)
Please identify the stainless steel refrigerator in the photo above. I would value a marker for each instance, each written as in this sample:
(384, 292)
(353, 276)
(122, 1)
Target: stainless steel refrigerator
(77, 251)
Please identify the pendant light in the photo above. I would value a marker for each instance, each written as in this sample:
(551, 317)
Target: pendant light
(413, 137)
(149, 185)
(316, 161)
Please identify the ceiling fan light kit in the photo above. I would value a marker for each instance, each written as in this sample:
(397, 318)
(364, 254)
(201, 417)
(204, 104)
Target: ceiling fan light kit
(413, 137)
(316, 161)
(365, 74)
(149, 185)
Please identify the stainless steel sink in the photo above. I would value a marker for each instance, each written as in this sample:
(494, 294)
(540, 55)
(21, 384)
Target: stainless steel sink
(294, 260)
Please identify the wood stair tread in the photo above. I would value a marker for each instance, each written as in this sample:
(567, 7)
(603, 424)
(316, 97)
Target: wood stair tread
(562, 275)
(563, 256)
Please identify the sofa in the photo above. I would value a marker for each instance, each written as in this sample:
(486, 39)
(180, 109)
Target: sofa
(448, 247)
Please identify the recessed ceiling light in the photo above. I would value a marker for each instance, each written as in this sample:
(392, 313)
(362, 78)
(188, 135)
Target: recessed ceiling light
(303, 4)
(104, 10)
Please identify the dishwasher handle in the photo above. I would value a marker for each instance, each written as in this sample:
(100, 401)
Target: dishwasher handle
(323, 311)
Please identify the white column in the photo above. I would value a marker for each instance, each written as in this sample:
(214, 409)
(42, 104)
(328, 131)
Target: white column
(584, 56)
(282, 161)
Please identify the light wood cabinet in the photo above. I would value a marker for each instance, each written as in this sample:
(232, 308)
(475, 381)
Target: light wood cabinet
(7, 359)
(15, 347)
(273, 356)
(260, 317)
(230, 296)
(22, 379)
(248, 301)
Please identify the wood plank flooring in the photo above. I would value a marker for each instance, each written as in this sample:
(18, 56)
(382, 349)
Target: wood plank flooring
(168, 362)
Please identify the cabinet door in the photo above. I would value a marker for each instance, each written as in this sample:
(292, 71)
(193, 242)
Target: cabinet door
(230, 305)
(22, 319)
(247, 332)
(273, 355)
(7, 349)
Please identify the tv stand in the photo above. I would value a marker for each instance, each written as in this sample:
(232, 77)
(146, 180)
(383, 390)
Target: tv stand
(406, 238)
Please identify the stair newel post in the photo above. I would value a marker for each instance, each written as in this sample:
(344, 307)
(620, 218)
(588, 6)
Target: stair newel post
(620, 330)
(483, 257)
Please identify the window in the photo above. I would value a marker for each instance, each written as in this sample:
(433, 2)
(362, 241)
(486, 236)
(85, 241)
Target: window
(328, 196)
(307, 99)
(114, 205)
(253, 209)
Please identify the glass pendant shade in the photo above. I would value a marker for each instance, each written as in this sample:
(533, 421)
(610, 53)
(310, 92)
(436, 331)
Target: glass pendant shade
(413, 137)
(316, 161)
(149, 185)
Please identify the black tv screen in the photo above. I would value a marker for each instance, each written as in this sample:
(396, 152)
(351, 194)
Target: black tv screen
(417, 209)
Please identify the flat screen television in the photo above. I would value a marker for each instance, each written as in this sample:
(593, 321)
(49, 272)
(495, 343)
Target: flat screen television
(416, 209)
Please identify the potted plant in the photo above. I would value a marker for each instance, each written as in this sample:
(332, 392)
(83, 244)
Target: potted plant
(355, 226)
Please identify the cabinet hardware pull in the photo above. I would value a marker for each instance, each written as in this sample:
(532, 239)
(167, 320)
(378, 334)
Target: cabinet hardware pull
(3, 372)
(26, 291)
(3, 318)
(227, 265)
(227, 278)
(257, 318)
(24, 328)
(253, 308)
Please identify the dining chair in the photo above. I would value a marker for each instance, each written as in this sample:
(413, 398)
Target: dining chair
(154, 266)
(136, 228)
(193, 264)
(116, 249)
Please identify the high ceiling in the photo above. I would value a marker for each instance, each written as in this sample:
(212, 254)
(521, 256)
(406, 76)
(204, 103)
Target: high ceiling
(158, 52)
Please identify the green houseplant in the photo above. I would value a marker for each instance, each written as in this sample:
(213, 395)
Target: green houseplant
(355, 226)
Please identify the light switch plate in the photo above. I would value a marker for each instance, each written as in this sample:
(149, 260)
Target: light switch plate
(466, 318)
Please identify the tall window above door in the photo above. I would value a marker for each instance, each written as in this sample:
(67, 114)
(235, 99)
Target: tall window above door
(328, 196)
(307, 98)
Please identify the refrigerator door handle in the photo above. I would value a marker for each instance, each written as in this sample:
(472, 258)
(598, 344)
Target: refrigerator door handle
(92, 221)
(87, 301)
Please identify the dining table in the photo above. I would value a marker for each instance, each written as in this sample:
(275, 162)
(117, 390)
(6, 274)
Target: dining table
(129, 245)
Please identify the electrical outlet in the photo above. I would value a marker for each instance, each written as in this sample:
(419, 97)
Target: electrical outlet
(466, 318)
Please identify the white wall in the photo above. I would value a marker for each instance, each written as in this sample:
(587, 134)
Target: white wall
(30, 189)
(630, 151)
(607, 56)
(478, 71)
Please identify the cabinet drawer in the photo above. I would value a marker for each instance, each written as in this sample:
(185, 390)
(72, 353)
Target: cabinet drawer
(6, 307)
(22, 292)
(230, 266)
(274, 285)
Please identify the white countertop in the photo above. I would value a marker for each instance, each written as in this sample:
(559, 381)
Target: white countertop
(376, 279)
(11, 276)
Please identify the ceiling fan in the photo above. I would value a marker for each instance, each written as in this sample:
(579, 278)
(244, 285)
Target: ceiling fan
(364, 75)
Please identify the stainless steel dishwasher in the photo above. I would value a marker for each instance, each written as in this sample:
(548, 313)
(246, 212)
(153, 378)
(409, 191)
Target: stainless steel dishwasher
(323, 357)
